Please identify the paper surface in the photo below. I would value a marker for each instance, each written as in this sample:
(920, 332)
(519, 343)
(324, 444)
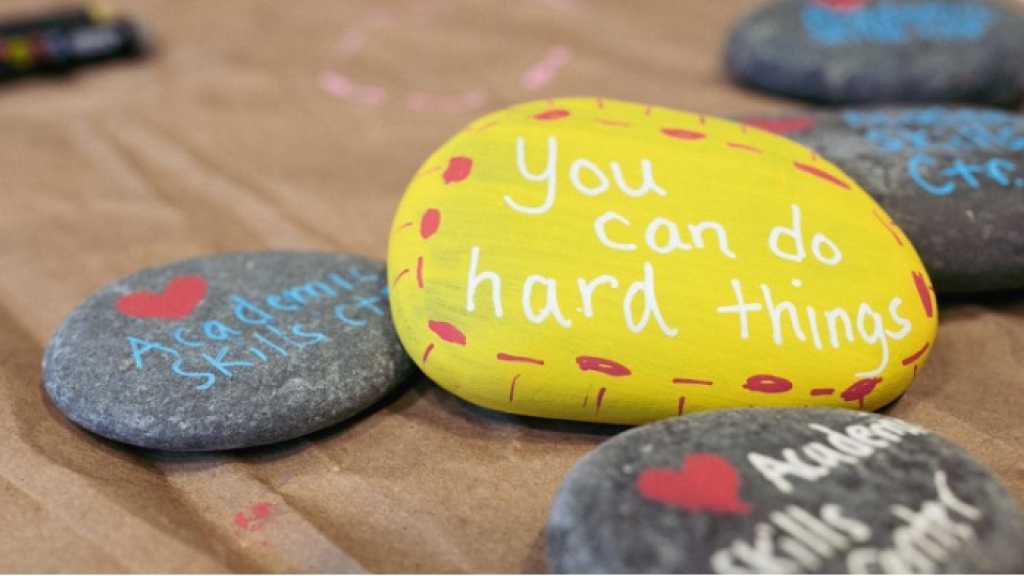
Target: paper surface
(269, 125)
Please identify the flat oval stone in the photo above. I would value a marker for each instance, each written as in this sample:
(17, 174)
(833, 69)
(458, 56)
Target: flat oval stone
(862, 51)
(951, 177)
(597, 260)
(782, 491)
(227, 351)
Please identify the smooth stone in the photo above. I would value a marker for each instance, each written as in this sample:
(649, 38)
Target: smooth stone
(769, 491)
(864, 51)
(596, 260)
(951, 177)
(227, 351)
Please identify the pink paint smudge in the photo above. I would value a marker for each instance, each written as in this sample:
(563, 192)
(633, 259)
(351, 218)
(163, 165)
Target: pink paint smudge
(255, 518)
(340, 87)
(544, 71)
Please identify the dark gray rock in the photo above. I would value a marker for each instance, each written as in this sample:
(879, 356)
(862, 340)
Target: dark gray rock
(864, 51)
(782, 491)
(227, 351)
(951, 177)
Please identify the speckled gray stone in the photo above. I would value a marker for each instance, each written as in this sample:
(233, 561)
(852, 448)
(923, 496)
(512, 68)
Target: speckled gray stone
(227, 351)
(952, 178)
(865, 51)
(782, 491)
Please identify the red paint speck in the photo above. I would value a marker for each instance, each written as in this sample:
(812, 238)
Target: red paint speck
(602, 365)
(681, 134)
(430, 222)
(447, 332)
(525, 359)
(745, 147)
(419, 271)
(842, 5)
(823, 391)
(681, 405)
(783, 125)
(600, 398)
(692, 381)
(768, 384)
(924, 293)
(459, 168)
(426, 353)
(512, 389)
(888, 226)
(399, 277)
(916, 355)
(555, 114)
(255, 518)
(819, 173)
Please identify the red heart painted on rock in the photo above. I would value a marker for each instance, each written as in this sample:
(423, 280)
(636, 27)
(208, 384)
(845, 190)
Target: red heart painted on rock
(706, 483)
(179, 298)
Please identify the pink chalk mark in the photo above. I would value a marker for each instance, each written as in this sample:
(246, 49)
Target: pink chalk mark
(692, 381)
(819, 173)
(340, 87)
(823, 391)
(448, 332)
(681, 134)
(916, 355)
(419, 272)
(602, 365)
(524, 359)
(429, 223)
(746, 147)
(400, 275)
(255, 518)
(544, 71)
(888, 227)
(924, 293)
(426, 353)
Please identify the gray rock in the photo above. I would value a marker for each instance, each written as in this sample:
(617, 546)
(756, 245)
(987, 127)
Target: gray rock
(227, 351)
(864, 51)
(951, 177)
(782, 491)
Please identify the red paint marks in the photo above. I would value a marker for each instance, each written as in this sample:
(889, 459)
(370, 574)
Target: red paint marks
(428, 172)
(459, 168)
(702, 119)
(555, 114)
(692, 381)
(647, 111)
(512, 389)
(681, 405)
(823, 391)
(429, 223)
(705, 483)
(399, 277)
(426, 353)
(602, 365)
(842, 5)
(600, 103)
(585, 400)
(782, 125)
(888, 226)
(447, 332)
(419, 272)
(819, 173)
(768, 384)
(860, 389)
(525, 359)
(916, 355)
(255, 518)
(924, 293)
(682, 134)
(615, 123)
(403, 226)
(746, 147)
(178, 299)
(600, 398)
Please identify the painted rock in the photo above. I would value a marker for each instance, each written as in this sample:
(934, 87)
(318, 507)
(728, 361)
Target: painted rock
(606, 261)
(227, 351)
(780, 491)
(952, 178)
(860, 51)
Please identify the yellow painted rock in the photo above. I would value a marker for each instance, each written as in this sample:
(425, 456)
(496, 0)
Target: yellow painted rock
(607, 261)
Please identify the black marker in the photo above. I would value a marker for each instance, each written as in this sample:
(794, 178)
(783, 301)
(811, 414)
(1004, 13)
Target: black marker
(60, 50)
(54, 20)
